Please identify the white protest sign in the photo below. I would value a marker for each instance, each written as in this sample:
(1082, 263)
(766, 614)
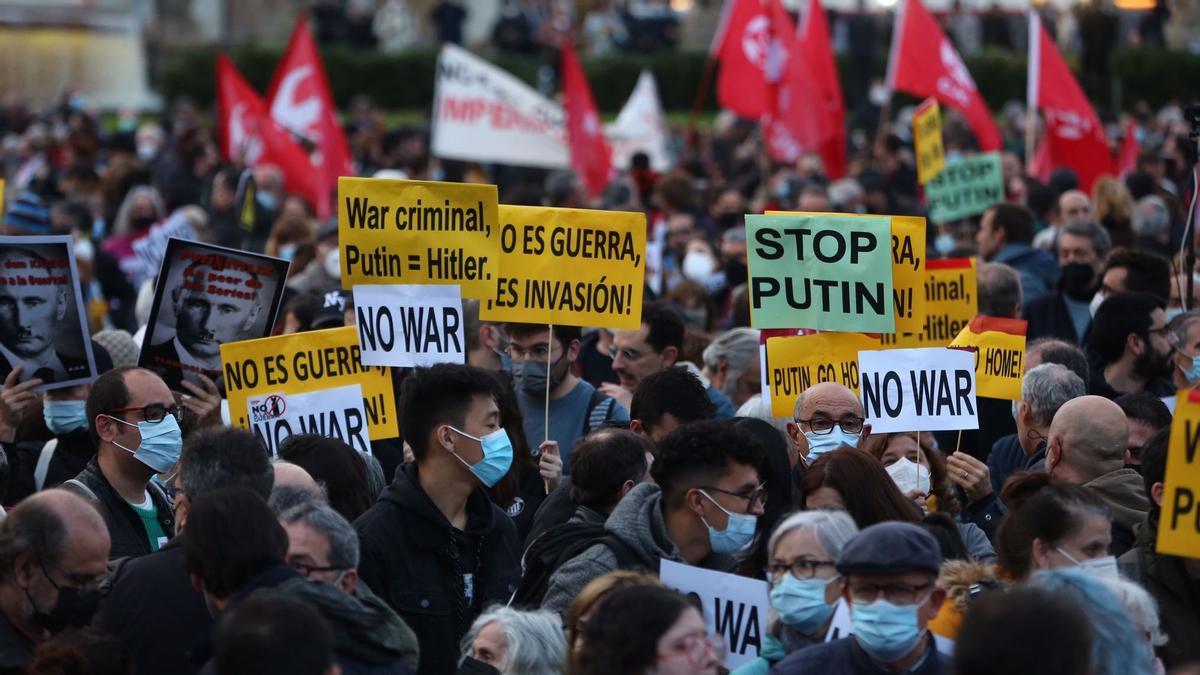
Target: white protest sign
(840, 626)
(409, 325)
(151, 248)
(928, 389)
(482, 113)
(336, 413)
(734, 607)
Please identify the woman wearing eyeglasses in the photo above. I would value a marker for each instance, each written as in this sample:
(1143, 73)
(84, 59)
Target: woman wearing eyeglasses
(804, 583)
(646, 630)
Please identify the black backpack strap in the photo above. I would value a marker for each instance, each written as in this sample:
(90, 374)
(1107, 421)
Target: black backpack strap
(627, 558)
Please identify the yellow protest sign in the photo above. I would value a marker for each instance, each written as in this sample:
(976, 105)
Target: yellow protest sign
(797, 363)
(304, 363)
(1179, 524)
(951, 299)
(927, 141)
(418, 232)
(908, 266)
(571, 267)
(999, 355)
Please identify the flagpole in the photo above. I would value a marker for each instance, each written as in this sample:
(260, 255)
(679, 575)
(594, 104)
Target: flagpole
(702, 92)
(1031, 87)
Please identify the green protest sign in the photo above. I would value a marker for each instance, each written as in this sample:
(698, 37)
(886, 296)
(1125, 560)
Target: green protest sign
(821, 272)
(965, 188)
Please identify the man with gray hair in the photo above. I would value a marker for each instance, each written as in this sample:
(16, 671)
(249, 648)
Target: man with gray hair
(1000, 291)
(1044, 389)
(1066, 313)
(1086, 446)
(1152, 225)
(152, 604)
(731, 364)
(323, 546)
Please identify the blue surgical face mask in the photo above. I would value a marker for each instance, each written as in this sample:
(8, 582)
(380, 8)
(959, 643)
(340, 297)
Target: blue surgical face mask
(1193, 373)
(801, 602)
(944, 243)
(1173, 312)
(819, 444)
(63, 417)
(497, 456)
(738, 532)
(884, 630)
(161, 443)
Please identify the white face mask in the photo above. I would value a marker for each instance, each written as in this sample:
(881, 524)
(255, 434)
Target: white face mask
(1104, 567)
(698, 266)
(1097, 300)
(333, 264)
(909, 476)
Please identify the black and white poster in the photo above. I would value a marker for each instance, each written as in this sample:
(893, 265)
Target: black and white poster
(207, 296)
(43, 327)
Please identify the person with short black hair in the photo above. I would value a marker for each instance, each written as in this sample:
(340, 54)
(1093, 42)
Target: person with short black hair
(657, 345)
(1026, 630)
(271, 634)
(1129, 338)
(1128, 269)
(53, 553)
(338, 467)
(134, 419)
(1171, 579)
(1006, 236)
(1146, 415)
(666, 400)
(435, 540)
(701, 509)
(152, 604)
(575, 407)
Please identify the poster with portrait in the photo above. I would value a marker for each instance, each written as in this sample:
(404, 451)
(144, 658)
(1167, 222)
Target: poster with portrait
(207, 296)
(43, 329)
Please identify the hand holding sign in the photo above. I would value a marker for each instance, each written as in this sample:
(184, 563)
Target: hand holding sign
(972, 475)
(550, 465)
(203, 403)
(14, 401)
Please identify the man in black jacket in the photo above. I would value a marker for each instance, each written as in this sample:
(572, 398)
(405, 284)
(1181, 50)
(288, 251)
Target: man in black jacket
(434, 547)
(134, 420)
(152, 605)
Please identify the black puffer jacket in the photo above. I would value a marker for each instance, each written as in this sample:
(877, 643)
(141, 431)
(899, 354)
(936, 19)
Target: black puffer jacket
(411, 559)
(125, 527)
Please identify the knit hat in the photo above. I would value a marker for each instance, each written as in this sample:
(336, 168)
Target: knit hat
(29, 214)
(120, 346)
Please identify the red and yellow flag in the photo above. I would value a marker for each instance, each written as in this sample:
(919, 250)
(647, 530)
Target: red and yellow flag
(999, 355)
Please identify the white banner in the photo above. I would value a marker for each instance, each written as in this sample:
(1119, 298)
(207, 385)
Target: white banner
(408, 325)
(482, 113)
(151, 248)
(640, 127)
(336, 413)
(929, 389)
(734, 607)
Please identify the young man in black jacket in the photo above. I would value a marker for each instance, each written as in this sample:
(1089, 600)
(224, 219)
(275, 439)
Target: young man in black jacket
(434, 547)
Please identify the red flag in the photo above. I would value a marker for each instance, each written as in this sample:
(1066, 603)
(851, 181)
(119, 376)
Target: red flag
(1074, 136)
(924, 63)
(585, 134)
(741, 45)
(793, 123)
(817, 52)
(249, 136)
(301, 102)
(1127, 157)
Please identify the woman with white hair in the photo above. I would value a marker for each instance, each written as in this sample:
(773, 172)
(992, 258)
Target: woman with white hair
(804, 583)
(515, 642)
(1143, 612)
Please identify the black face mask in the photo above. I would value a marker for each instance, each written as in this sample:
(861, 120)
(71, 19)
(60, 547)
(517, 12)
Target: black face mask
(735, 273)
(1076, 281)
(140, 223)
(75, 607)
(727, 221)
(473, 666)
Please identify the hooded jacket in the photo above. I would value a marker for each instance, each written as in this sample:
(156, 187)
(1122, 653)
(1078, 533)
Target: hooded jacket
(1125, 494)
(638, 522)
(412, 558)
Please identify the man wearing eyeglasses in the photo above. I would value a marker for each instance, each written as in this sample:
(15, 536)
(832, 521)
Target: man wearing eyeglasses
(1129, 338)
(890, 571)
(133, 418)
(542, 363)
(54, 549)
(828, 416)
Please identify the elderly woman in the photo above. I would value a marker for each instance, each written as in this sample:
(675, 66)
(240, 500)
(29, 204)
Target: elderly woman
(804, 583)
(516, 642)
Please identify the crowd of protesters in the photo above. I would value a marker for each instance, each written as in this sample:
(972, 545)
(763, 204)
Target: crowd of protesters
(145, 536)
